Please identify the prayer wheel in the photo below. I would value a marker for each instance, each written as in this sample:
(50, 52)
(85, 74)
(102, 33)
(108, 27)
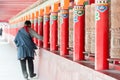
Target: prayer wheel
(93, 28)
(88, 28)
(71, 27)
(115, 29)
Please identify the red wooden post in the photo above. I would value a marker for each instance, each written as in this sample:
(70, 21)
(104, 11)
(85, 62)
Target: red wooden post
(64, 28)
(64, 32)
(40, 26)
(78, 32)
(32, 20)
(36, 25)
(53, 31)
(54, 27)
(46, 32)
(102, 35)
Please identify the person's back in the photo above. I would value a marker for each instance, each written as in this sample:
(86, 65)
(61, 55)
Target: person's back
(26, 48)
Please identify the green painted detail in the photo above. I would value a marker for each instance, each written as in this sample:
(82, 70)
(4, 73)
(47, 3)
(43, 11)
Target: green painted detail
(70, 8)
(79, 12)
(54, 17)
(97, 16)
(41, 19)
(85, 3)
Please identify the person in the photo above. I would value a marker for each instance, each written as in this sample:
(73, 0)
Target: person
(1, 31)
(26, 48)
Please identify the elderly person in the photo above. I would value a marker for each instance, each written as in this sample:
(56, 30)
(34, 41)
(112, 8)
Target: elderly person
(26, 48)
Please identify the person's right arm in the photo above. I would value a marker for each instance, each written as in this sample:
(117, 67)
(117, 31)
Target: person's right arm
(33, 33)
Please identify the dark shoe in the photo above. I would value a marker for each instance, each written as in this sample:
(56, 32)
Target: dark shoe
(33, 75)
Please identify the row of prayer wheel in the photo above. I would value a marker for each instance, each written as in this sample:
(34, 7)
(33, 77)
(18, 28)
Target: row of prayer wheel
(90, 16)
(114, 29)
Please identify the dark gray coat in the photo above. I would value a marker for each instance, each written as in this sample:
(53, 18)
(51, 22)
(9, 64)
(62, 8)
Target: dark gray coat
(26, 46)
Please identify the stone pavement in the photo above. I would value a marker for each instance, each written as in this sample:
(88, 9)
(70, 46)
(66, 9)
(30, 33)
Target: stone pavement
(9, 65)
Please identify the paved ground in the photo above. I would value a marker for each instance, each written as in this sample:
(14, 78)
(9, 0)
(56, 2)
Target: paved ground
(9, 65)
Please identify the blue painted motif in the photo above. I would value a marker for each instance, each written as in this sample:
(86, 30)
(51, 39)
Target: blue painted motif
(46, 19)
(64, 15)
(102, 8)
(75, 18)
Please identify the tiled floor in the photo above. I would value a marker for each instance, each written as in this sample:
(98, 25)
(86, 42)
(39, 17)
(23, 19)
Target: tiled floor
(9, 65)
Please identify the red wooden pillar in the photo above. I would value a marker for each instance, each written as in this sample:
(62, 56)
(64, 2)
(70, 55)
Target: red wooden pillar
(64, 28)
(40, 26)
(102, 35)
(46, 32)
(64, 32)
(54, 28)
(78, 32)
(53, 31)
(32, 20)
(36, 25)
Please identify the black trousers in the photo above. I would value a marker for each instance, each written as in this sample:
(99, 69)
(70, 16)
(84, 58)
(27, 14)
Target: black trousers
(30, 66)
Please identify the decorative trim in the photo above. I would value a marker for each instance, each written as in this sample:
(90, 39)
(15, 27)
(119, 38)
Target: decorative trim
(102, 8)
(46, 18)
(79, 10)
(54, 16)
